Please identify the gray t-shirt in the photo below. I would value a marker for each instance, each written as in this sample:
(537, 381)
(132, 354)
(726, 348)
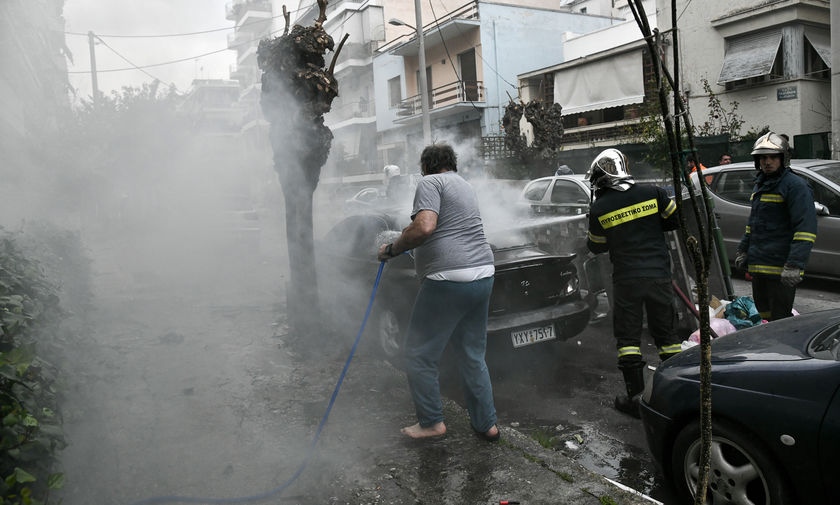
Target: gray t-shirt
(458, 240)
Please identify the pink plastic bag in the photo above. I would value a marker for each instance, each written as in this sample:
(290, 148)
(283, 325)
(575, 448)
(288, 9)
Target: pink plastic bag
(719, 326)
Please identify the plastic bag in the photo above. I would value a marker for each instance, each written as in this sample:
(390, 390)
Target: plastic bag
(720, 326)
(742, 313)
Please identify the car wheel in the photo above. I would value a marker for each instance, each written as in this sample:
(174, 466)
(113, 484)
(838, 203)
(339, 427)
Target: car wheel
(741, 470)
(388, 331)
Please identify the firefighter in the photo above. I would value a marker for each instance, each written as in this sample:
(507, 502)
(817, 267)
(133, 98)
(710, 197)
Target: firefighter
(781, 229)
(630, 222)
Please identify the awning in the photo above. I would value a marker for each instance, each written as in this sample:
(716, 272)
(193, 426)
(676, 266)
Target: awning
(750, 56)
(821, 41)
(608, 82)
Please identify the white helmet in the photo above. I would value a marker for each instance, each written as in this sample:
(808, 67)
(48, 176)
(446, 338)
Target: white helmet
(391, 171)
(771, 143)
(608, 168)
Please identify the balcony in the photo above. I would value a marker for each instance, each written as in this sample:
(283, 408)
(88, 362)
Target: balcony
(444, 100)
(238, 9)
(449, 26)
(237, 39)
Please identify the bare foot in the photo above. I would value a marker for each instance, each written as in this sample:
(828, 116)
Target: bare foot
(417, 431)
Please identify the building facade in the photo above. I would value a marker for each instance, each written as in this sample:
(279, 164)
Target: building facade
(604, 83)
(773, 58)
(474, 54)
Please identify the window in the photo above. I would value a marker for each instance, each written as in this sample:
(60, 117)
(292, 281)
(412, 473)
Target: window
(825, 196)
(394, 92)
(817, 53)
(567, 192)
(752, 59)
(536, 190)
(735, 186)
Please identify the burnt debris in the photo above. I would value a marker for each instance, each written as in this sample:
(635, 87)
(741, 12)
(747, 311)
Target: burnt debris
(546, 120)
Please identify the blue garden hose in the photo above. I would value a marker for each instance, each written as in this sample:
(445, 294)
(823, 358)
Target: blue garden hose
(310, 451)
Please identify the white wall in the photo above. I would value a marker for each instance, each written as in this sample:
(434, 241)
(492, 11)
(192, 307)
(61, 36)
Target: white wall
(702, 49)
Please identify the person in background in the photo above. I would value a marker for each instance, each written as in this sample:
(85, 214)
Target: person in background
(725, 159)
(455, 265)
(564, 170)
(780, 231)
(691, 163)
(629, 221)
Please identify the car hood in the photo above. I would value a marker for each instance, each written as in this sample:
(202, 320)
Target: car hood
(526, 253)
(785, 340)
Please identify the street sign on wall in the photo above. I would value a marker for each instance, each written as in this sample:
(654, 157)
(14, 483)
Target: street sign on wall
(786, 93)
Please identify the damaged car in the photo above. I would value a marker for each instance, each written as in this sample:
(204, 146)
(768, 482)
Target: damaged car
(536, 299)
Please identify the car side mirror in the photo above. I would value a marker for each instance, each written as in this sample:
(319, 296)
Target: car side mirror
(821, 209)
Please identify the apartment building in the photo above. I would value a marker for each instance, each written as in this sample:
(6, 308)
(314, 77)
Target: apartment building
(253, 20)
(772, 57)
(604, 81)
(474, 54)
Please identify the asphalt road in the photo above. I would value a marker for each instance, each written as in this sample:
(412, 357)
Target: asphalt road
(563, 395)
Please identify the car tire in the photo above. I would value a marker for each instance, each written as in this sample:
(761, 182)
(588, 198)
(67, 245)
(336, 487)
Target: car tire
(741, 469)
(388, 334)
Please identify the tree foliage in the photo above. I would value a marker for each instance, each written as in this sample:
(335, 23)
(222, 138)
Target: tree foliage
(30, 432)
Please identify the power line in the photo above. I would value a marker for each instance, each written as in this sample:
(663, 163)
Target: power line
(181, 60)
(449, 56)
(477, 52)
(130, 62)
(187, 33)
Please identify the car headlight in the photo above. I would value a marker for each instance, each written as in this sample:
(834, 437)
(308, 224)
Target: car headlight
(572, 286)
(648, 392)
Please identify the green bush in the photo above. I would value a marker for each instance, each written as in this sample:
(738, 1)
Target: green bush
(30, 431)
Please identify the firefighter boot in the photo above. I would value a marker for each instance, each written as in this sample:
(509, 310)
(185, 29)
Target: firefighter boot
(634, 380)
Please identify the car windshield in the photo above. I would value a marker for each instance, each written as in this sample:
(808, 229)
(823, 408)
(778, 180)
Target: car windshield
(826, 345)
(830, 171)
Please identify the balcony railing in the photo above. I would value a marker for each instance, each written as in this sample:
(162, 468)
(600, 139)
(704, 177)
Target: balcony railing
(448, 94)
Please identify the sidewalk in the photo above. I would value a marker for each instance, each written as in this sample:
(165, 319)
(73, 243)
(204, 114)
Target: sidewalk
(188, 384)
(458, 468)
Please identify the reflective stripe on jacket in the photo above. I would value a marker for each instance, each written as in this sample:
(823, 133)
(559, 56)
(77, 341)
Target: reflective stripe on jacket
(782, 226)
(630, 225)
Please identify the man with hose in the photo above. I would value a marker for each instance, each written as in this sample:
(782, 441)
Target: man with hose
(455, 265)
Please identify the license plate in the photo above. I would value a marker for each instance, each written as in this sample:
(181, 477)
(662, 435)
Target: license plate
(532, 335)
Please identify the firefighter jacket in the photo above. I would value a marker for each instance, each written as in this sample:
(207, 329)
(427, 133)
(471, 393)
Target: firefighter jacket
(782, 226)
(630, 225)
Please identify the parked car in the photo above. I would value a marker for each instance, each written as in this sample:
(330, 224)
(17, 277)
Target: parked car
(731, 186)
(536, 299)
(775, 414)
(558, 195)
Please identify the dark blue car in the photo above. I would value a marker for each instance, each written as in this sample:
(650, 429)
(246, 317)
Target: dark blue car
(775, 410)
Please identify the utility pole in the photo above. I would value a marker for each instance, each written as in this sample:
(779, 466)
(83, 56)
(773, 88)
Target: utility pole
(95, 83)
(424, 85)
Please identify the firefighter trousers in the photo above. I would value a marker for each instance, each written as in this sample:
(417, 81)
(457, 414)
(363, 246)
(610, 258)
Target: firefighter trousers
(633, 297)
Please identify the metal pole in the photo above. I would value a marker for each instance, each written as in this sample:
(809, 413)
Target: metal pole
(424, 86)
(835, 82)
(95, 83)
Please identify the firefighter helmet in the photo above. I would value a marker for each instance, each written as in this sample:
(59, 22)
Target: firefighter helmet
(771, 143)
(608, 168)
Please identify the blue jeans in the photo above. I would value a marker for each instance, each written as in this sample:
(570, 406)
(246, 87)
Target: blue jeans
(455, 312)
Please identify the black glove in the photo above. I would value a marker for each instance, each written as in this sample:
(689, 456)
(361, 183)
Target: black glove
(741, 260)
(791, 275)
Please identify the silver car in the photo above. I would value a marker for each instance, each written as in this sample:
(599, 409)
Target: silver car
(559, 195)
(731, 186)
